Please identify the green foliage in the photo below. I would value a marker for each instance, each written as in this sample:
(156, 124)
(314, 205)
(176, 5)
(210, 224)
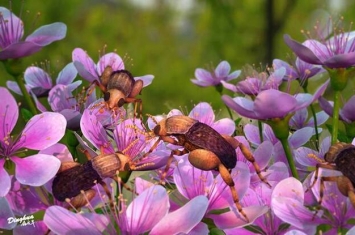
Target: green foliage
(165, 41)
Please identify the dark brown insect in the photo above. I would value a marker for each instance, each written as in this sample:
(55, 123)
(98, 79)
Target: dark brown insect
(340, 157)
(208, 150)
(119, 88)
(75, 181)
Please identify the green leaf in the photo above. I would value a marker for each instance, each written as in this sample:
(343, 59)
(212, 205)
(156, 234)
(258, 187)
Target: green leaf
(26, 114)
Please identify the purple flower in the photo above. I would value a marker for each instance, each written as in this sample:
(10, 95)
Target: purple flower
(92, 72)
(205, 78)
(336, 52)
(40, 132)
(300, 70)
(39, 82)
(256, 83)
(346, 113)
(270, 104)
(12, 30)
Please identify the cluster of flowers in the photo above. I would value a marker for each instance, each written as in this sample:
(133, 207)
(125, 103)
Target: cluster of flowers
(197, 201)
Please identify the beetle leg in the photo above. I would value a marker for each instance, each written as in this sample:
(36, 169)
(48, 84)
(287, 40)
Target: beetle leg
(346, 187)
(247, 154)
(82, 199)
(163, 138)
(119, 181)
(109, 195)
(136, 89)
(227, 178)
(170, 160)
(137, 105)
(204, 159)
(67, 165)
(319, 165)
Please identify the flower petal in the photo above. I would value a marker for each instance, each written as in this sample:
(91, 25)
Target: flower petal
(37, 77)
(5, 181)
(18, 50)
(184, 219)
(13, 86)
(147, 79)
(203, 112)
(5, 214)
(341, 61)
(8, 113)
(94, 132)
(147, 209)
(300, 137)
(47, 34)
(35, 227)
(42, 130)
(222, 69)
(241, 106)
(274, 104)
(110, 59)
(302, 51)
(224, 126)
(348, 109)
(84, 64)
(36, 170)
(67, 75)
(231, 220)
(61, 221)
(197, 182)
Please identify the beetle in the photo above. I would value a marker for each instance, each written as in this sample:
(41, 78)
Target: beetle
(340, 157)
(119, 87)
(75, 181)
(208, 150)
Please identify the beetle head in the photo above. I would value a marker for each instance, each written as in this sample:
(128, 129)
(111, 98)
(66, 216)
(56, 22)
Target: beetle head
(114, 98)
(160, 128)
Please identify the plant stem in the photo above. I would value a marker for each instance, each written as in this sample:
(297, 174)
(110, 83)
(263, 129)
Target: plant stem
(289, 157)
(26, 95)
(315, 120)
(335, 116)
(260, 131)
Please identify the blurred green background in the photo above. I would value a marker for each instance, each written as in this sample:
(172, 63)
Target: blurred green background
(171, 38)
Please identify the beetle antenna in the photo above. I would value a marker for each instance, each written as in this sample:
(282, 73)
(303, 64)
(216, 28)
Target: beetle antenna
(315, 157)
(129, 146)
(153, 118)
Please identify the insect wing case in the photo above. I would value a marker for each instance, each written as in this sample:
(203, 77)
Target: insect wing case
(205, 137)
(69, 183)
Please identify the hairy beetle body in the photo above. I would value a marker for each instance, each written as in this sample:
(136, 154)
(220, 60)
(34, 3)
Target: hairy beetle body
(69, 183)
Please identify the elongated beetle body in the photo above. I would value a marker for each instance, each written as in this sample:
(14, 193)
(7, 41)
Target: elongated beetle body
(208, 150)
(74, 178)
